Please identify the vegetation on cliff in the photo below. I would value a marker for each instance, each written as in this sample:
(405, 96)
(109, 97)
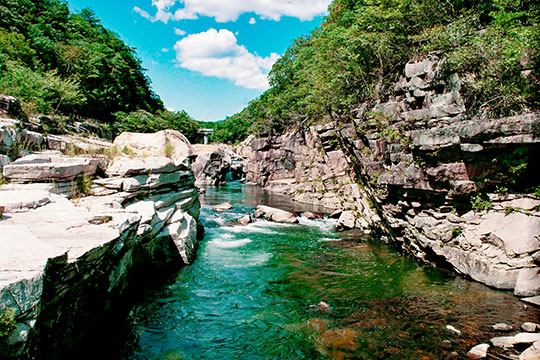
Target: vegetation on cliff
(54, 61)
(359, 52)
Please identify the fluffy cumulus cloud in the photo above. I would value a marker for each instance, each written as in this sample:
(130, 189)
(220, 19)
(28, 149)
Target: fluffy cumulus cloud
(229, 10)
(217, 53)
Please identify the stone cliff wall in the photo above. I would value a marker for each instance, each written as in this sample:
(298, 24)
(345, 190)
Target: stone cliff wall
(68, 261)
(442, 186)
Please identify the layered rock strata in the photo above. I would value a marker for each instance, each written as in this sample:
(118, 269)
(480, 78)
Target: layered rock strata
(65, 264)
(416, 169)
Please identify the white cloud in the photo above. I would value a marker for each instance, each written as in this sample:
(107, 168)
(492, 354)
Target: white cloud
(230, 10)
(143, 13)
(179, 32)
(217, 53)
(252, 21)
(165, 50)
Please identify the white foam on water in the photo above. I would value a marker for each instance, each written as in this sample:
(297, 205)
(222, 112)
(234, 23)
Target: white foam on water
(326, 225)
(220, 243)
(330, 239)
(255, 260)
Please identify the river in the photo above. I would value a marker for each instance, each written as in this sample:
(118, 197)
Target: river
(255, 292)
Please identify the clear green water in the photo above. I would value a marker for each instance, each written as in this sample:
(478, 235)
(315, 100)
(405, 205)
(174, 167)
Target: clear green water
(253, 294)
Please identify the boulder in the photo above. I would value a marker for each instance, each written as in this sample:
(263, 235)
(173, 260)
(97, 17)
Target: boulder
(346, 221)
(4, 160)
(532, 352)
(125, 166)
(502, 327)
(277, 215)
(246, 220)
(528, 282)
(49, 166)
(310, 215)
(529, 327)
(212, 165)
(222, 207)
(503, 341)
(169, 143)
(478, 352)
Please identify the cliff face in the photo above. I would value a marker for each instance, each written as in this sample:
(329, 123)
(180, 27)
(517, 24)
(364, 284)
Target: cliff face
(442, 186)
(68, 261)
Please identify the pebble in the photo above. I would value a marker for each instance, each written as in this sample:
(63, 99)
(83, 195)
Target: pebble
(453, 330)
(502, 327)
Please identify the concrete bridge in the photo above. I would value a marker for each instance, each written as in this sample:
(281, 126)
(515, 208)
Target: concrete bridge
(206, 133)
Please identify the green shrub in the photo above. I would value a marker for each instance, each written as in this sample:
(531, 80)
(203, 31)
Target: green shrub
(456, 231)
(7, 323)
(537, 192)
(481, 202)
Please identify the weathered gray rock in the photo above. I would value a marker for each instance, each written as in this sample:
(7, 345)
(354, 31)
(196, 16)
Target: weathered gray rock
(502, 327)
(529, 327)
(526, 338)
(346, 221)
(453, 330)
(528, 282)
(276, 215)
(4, 160)
(212, 164)
(168, 143)
(222, 207)
(48, 167)
(125, 166)
(478, 352)
(246, 220)
(532, 352)
(503, 341)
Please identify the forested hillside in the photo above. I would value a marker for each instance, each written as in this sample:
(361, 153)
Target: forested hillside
(360, 50)
(56, 62)
(53, 60)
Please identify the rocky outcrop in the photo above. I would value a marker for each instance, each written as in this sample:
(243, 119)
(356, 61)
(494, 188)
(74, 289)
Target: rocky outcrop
(212, 164)
(65, 265)
(168, 143)
(417, 171)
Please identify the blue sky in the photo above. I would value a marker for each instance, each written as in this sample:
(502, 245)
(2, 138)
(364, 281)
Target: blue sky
(208, 57)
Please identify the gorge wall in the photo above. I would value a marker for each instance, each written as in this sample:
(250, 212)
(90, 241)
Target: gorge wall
(80, 233)
(421, 174)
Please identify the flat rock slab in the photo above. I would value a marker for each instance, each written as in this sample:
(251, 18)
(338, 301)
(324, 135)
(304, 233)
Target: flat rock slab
(49, 166)
(23, 200)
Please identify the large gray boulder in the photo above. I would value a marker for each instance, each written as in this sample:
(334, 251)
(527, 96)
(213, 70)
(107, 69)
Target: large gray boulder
(276, 215)
(125, 166)
(169, 143)
(212, 164)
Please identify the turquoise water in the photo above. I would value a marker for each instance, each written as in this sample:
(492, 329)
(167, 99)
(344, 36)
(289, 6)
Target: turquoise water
(254, 293)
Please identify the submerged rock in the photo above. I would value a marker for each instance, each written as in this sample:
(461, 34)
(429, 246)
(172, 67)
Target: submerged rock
(478, 352)
(502, 327)
(246, 220)
(222, 207)
(532, 352)
(529, 327)
(273, 214)
(453, 330)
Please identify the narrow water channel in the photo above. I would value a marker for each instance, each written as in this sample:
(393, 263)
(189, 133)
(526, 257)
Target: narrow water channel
(253, 293)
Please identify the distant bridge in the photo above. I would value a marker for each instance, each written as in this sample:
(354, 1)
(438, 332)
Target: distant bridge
(206, 133)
